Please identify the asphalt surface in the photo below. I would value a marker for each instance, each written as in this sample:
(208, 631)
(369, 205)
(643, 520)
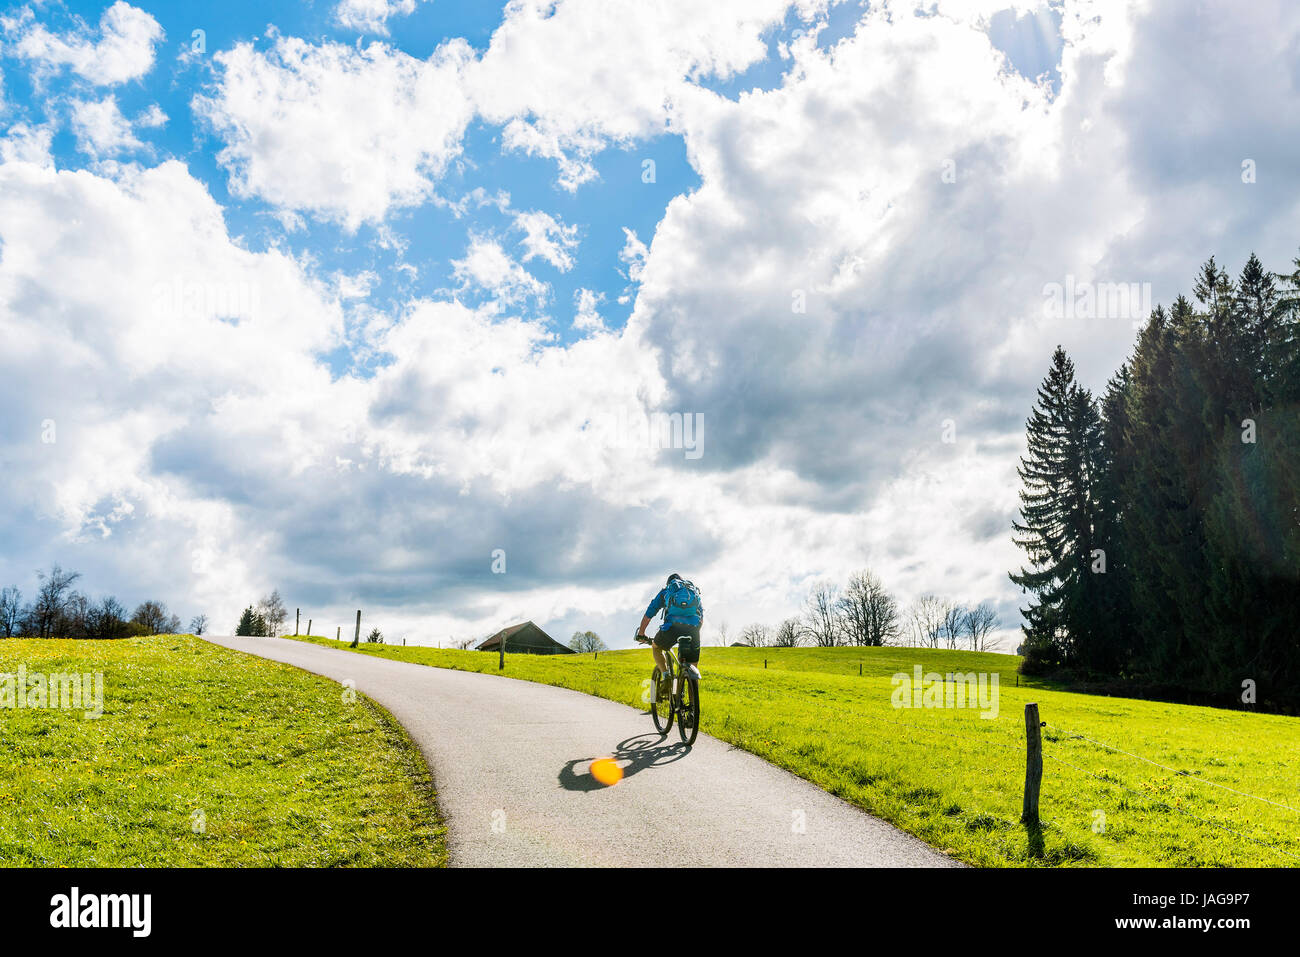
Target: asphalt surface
(511, 759)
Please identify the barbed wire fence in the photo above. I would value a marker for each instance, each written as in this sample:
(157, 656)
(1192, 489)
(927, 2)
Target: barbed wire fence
(1174, 807)
(1154, 802)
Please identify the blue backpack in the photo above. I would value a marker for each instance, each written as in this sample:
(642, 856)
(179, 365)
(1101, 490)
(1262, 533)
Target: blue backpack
(682, 603)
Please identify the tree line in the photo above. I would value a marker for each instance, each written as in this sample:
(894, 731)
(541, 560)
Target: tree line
(266, 618)
(1161, 520)
(263, 619)
(865, 613)
(59, 610)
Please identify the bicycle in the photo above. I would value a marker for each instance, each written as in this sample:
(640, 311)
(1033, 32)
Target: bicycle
(683, 702)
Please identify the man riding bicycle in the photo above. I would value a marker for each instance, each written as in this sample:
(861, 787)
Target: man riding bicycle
(683, 610)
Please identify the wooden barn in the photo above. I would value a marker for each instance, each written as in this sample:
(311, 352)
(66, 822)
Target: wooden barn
(525, 639)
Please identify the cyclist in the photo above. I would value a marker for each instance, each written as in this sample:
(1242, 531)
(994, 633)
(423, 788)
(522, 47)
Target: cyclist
(683, 610)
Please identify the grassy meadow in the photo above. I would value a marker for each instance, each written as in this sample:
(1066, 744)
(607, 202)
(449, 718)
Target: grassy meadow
(206, 757)
(956, 779)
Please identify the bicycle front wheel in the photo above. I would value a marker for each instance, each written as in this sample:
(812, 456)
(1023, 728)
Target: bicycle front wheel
(660, 710)
(688, 725)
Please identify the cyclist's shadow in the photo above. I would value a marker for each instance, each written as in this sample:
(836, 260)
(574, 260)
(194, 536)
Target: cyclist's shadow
(635, 754)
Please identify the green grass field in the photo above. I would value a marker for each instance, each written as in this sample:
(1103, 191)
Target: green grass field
(955, 779)
(206, 757)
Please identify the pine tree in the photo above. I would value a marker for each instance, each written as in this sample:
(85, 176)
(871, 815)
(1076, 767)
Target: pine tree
(1256, 312)
(1111, 652)
(248, 624)
(1084, 622)
(1157, 494)
(1058, 508)
(1283, 341)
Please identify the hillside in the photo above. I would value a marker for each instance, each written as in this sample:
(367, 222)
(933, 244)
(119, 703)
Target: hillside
(955, 779)
(204, 757)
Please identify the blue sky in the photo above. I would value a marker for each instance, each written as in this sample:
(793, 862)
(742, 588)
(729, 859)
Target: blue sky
(617, 199)
(602, 209)
(385, 294)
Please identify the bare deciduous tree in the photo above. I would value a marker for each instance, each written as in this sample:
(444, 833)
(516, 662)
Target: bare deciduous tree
(868, 613)
(821, 615)
(586, 641)
(979, 623)
(154, 617)
(11, 609)
(756, 636)
(952, 623)
(51, 597)
(788, 634)
(77, 617)
(199, 624)
(273, 611)
(110, 619)
(925, 621)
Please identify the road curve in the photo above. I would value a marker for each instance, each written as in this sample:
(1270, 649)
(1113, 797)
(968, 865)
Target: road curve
(510, 760)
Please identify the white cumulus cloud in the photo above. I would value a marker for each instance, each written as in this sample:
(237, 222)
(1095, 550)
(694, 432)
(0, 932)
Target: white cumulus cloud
(100, 127)
(547, 238)
(344, 132)
(350, 133)
(489, 267)
(371, 16)
(122, 51)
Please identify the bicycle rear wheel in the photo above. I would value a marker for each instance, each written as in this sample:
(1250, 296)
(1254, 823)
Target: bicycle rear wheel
(688, 724)
(661, 711)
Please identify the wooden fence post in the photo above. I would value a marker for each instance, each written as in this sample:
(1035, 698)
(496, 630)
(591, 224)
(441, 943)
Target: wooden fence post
(338, 633)
(501, 663)
(1033, 763)
(297, 620)
(356, 639)
(308, 627)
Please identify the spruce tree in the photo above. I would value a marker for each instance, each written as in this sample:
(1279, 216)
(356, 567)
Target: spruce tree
(1282, 344)
(247, 626)
(1059, 475)
(1111, 652)
(1161, 494)
(1256, 313)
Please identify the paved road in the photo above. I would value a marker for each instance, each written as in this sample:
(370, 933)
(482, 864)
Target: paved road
(510, 760)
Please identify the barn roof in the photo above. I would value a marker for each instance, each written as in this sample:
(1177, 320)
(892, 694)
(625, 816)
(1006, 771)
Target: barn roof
(524, 635)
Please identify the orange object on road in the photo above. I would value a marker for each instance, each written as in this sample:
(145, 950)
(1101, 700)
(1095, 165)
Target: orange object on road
(607, 771)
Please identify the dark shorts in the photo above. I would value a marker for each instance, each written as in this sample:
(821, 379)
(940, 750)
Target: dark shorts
(688, 635)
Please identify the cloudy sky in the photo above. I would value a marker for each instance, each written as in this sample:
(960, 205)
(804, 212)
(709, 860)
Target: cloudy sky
(352, 298)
